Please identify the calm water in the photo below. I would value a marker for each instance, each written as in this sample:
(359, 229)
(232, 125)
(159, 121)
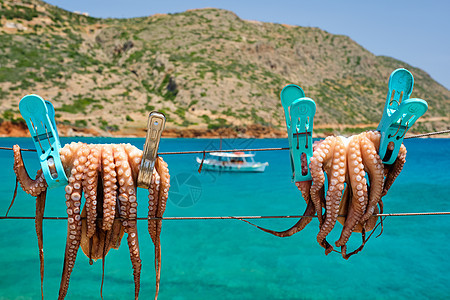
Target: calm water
(229, 259)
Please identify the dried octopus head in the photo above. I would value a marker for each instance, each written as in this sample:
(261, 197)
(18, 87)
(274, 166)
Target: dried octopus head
(107, 175)
(357, 181)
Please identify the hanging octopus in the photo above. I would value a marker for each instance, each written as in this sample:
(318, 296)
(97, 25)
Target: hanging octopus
(107, 176)
(350, 199)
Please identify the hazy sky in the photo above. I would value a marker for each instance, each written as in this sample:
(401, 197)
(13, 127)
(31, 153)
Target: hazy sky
(416, 32)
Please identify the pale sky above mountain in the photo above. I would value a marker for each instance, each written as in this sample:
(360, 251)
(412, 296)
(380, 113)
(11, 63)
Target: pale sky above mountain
(416, 32)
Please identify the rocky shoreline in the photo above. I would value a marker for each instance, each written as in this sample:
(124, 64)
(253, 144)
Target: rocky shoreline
(19, 129)
(10, 129)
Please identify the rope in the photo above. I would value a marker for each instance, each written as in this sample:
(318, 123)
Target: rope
(249, 150)
(237, 217)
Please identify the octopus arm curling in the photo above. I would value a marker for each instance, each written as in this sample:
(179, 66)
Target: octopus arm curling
(30, 186)
(38, 189)
(304, 187)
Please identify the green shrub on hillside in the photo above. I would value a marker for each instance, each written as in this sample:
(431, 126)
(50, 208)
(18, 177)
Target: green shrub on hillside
(77, 106)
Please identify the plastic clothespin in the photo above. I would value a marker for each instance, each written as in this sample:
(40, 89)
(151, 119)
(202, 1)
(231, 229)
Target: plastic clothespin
(299, 113)
(40, 118)
(155, 127)
(399, 114)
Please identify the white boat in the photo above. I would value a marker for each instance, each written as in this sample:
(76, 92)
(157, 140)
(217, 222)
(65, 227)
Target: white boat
(232, 162)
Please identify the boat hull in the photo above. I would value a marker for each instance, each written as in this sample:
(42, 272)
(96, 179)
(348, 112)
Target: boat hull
(229, 167)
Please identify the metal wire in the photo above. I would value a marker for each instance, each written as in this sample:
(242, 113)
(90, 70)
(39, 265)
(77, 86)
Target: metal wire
(10, 148)
(240, 217)
(237, 217)
(249, 150)
(427, 134)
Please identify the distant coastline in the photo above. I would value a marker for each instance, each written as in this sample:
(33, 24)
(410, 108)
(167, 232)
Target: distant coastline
(10, 129)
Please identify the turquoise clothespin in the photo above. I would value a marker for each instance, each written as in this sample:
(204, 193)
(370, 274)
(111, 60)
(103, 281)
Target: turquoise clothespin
(299, 113)
(399, 114)
(40, 117)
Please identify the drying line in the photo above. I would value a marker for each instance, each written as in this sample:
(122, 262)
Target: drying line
(237, 217)
(250, 150)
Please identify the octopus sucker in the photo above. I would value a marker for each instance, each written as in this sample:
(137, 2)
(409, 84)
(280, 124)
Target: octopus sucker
(106, 175)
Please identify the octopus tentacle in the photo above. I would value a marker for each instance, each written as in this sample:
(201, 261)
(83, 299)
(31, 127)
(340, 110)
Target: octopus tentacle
(321, 155)
(109, 187)
(68, 154)
(124, 181)
(153, 202)
(374, 166)
(336, 179)
(358, 184)
(134, 159)
(133, 245)
(371, 222)
(163, 171)
(73, 202)
(40, 206)
(90, 183)
(102, 241)
(394, 170)
(128, 205)
(304, 187)
(30, 186)
(153, 198)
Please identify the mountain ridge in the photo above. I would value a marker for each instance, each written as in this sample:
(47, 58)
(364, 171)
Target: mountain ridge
(204, 68)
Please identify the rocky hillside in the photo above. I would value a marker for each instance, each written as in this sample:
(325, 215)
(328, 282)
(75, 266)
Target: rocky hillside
(203, 68)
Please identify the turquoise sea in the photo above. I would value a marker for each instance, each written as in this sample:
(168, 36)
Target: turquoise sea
(228, 259)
